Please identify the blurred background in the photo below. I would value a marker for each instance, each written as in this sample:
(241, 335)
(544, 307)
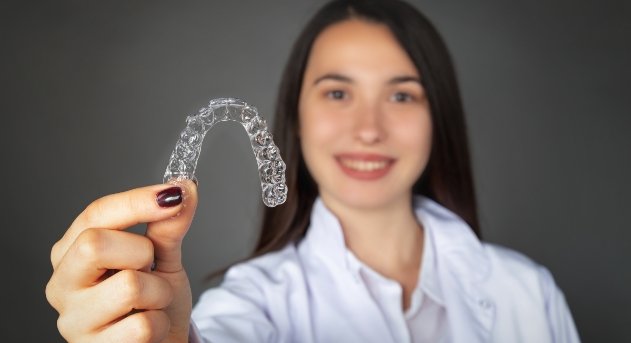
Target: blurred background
(94, 95)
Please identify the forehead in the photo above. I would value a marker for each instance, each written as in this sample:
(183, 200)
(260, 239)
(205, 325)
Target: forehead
(360, 46)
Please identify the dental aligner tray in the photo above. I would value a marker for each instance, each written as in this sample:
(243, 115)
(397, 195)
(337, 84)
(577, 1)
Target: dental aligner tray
(183, 161)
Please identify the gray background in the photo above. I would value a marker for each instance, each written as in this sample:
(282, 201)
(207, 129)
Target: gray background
(94, 94)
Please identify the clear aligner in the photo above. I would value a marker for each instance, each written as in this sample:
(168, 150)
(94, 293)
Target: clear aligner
(271, 167)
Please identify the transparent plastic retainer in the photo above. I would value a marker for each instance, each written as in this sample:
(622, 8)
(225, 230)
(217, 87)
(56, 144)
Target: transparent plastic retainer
(271, 167)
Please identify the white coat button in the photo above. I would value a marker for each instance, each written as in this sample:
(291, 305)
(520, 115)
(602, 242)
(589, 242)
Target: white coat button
(485, 304)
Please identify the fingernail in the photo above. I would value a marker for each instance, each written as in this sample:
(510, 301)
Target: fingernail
(169, 197)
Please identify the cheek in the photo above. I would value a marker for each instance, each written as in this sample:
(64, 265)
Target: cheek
(424, 137)
(318, 136)
(318, 129)
(416, 137)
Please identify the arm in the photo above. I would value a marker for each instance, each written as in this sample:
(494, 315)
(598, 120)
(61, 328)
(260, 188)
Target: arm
(234, 312)
(559, 316)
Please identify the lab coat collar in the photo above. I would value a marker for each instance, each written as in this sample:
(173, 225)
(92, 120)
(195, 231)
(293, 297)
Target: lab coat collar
(325, 237)
(460, 262)
(452, 239)
(462, 267)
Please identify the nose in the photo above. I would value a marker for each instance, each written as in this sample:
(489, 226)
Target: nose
(369, 124)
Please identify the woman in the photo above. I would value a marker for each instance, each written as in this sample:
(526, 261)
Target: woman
(377, 241)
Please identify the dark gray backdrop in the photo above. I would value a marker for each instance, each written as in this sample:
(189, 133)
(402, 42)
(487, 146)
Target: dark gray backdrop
(94, 94)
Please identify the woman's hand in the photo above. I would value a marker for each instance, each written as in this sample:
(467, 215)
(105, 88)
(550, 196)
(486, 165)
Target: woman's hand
(102, 284)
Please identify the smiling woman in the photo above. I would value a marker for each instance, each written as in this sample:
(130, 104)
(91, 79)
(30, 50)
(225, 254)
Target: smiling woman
(378, 240)
(365, 133)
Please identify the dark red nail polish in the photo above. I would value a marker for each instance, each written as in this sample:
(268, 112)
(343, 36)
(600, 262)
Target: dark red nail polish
(170, 197)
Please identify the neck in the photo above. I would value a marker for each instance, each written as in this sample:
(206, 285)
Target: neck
(389, 238)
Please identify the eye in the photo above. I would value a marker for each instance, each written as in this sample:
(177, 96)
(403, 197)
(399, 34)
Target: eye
(336, 94)
(402, 97)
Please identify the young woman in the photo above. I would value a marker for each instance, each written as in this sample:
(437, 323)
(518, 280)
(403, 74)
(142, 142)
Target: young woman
(378, 240)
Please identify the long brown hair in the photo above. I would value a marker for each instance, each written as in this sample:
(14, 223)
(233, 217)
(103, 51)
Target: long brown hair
(447, 178)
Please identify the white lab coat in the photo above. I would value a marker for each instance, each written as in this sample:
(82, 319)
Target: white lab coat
(303, 293)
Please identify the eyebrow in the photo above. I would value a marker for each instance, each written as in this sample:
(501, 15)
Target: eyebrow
(404, 78)
(346, 79)
(334, 77)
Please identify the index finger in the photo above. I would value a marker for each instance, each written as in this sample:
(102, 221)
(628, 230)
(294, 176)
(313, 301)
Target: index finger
(119, 211)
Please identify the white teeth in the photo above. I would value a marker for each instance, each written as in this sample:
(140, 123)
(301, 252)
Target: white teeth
(366, 166)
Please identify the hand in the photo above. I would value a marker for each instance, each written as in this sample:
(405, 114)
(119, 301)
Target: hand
(102, 284)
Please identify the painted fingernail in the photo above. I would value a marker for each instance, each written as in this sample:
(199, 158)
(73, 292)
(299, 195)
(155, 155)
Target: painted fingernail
(169, 197)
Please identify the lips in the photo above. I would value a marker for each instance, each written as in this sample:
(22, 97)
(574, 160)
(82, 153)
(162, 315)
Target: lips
(365, 166)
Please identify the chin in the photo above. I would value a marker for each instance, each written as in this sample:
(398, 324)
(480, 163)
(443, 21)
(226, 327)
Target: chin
(361, 199)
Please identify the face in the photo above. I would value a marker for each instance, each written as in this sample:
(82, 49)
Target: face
(365, 126)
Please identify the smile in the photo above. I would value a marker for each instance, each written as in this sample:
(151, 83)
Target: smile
(365, 167)
(361, 165)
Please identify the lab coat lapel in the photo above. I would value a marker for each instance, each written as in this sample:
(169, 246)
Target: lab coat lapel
(462, 268)
(471, 315)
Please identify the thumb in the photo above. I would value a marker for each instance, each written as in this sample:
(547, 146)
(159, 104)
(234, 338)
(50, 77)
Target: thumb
(167, 234)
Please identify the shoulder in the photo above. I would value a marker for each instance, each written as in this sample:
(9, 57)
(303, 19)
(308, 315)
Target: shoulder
(523, 289)
(515, 278)
(508, 264)
(506, 258)
(248, 305)
(456, 243)
(264, 277)
(270, 267)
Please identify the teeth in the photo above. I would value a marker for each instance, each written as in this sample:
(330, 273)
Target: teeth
(366, 166)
